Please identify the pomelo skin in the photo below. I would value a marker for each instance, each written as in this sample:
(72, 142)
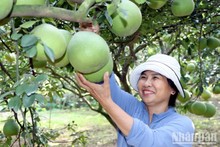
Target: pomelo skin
(127, 19)
(198, 108)
(213, 42)
(97, 76)
(53, 38)
(63, 61)
(10, 128)
(87, 52)
(6, 6)
(182, 7)
(156, 4)
(210, 110)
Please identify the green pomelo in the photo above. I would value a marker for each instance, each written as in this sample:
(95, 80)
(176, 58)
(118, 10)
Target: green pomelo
(6, 6)
(202, 43)
(210, 110)
(184, 99)
(206, 94)
(156, 4)
(216, 89)
(182, 7)
(213, 42)
(127, 19)
(98, 75)
(53, 38)
(67, 35)
(30, 2)
(189, 106)
(139, 1)
(10, 128)
(190, 67)
(63, 61)
(87, 52)
(198, 108)
(39, 64)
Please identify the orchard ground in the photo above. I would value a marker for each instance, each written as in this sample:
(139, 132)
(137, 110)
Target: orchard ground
(97, 132)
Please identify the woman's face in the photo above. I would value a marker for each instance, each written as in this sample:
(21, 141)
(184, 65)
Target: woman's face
(154, 89)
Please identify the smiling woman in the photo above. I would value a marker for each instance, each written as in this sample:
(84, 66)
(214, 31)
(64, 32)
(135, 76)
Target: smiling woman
(153, 120)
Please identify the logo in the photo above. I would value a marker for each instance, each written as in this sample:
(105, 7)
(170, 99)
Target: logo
(207, 138)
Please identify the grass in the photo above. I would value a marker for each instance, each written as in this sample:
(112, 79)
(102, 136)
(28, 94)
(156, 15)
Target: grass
(82, 117)
(100, 133)
(93, 125)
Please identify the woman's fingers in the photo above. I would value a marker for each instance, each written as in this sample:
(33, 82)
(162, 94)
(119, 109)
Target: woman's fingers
(81, 81)
(93, 87)
(106, 80)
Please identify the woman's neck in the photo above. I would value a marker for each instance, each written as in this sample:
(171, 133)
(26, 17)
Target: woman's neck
(156, 110)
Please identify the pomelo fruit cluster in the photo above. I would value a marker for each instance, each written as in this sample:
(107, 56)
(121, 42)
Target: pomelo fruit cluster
(86, 51)
(205, 109)
(89, 54)
(54, 38)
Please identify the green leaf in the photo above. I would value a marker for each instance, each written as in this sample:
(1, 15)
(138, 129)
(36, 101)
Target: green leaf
(6, 94)
(28, 40)
(21, 89)
(122, 13)
(49, 52)
(31, 52)
(111, 9)
(16, 36)
(31, 88)
(28, 24)
(15, 103)
(41, 78)
(28, 100)
(108, 17)
(40, 98)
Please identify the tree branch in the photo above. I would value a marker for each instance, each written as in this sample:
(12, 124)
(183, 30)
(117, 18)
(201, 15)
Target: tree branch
(50, 12)
(5, 71)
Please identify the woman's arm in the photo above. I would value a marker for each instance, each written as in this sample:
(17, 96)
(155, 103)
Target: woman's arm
(101, 92)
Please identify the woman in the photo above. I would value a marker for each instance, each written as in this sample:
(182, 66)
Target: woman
(152, 121)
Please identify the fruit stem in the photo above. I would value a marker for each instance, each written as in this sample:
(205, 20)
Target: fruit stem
(84, 8)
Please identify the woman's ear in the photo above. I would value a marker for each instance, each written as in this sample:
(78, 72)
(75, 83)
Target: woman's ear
(173, 92)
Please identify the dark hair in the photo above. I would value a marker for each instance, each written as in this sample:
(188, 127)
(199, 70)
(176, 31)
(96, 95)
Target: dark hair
(172, 100)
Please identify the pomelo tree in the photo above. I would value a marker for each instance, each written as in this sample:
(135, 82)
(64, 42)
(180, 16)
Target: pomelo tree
(28, 84)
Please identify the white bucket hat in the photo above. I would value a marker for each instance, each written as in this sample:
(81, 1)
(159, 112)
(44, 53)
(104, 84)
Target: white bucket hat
(163, 64)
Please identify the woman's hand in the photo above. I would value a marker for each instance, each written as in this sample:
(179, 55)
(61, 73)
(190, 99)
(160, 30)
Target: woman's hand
(101, 92)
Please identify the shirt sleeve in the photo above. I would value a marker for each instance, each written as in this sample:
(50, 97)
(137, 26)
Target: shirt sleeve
(143, 136)
(123, 99)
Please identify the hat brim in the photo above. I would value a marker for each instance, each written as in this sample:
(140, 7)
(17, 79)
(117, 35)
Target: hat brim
(156, 67)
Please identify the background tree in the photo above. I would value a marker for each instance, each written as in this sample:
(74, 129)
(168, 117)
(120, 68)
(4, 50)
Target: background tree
(27, 84)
